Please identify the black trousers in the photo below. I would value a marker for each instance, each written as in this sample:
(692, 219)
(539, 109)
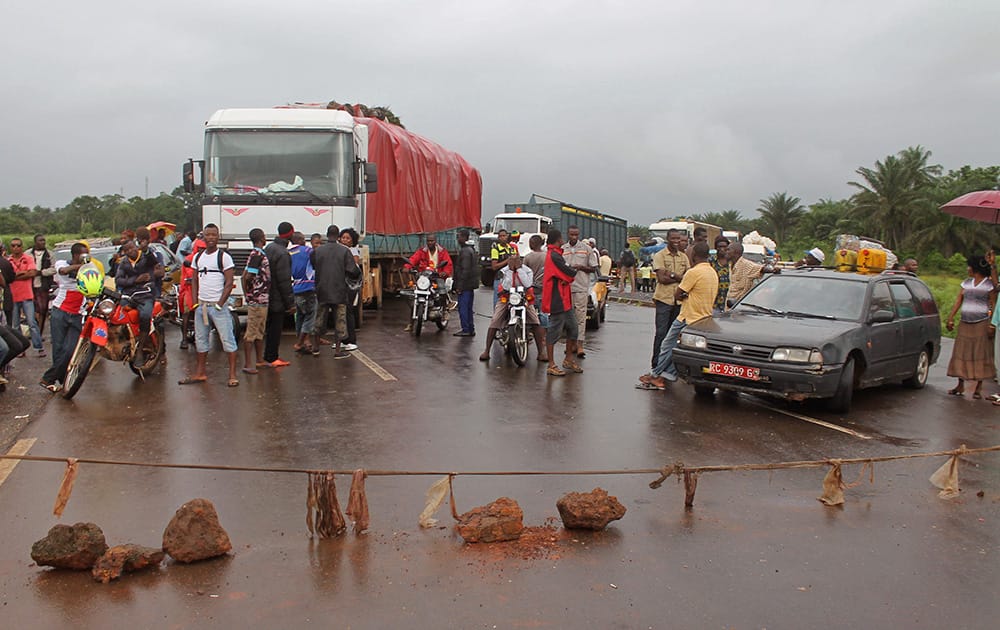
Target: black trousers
(272, 334)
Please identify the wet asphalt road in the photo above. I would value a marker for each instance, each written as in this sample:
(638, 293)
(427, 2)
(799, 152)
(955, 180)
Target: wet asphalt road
(757, 550)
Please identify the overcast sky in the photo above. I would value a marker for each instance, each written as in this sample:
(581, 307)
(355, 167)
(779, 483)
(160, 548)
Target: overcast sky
(642, 109)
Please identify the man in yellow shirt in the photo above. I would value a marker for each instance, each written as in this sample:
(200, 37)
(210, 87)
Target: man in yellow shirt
(669, 266)
(696, 294)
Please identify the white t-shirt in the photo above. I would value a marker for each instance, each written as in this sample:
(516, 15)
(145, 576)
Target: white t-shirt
(211, 279)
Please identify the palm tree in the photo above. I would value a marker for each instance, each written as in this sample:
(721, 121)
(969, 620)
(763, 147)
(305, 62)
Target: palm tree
(892, 192)
(780, 213)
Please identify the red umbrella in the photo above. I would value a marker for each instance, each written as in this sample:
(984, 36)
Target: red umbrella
(983, 205)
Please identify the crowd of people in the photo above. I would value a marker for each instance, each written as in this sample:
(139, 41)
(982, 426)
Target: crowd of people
(319, 282)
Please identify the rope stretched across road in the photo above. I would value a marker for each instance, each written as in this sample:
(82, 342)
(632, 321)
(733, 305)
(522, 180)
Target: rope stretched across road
(666, 470)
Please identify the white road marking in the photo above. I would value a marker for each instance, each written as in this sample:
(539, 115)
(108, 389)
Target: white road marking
(374, 367)
(21, 447)
(816, 421)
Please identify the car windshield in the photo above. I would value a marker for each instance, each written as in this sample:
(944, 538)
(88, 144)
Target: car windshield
(807, 295)
(261, 163)
(524, 226)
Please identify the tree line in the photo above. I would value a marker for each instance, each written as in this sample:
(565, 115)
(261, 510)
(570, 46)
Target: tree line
(89, 215)
(896, 201)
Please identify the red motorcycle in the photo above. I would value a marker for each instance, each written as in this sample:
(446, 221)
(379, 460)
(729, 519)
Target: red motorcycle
(111, 328)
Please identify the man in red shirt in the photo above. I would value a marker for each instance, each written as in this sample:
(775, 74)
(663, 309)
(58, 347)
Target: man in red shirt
(430, 256)
(558, 303)
(22, 292)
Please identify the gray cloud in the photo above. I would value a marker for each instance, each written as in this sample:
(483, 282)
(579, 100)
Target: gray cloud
(641, 108)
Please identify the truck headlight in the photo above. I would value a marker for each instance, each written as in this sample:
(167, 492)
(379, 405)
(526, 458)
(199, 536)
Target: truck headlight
(691, 340)
(796, 355)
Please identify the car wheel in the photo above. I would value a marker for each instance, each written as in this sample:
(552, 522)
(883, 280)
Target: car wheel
(705, 391)
(920, 371)
(841, 401)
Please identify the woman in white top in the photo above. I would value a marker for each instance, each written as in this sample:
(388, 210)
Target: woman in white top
(972, 356)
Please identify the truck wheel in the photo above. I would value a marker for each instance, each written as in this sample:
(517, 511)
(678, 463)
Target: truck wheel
(841, 401)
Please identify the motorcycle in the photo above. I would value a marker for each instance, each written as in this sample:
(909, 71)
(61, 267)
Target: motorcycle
(429, 293)
(514, 336)
(111, 328)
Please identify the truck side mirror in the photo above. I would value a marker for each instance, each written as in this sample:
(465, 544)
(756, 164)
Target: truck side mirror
(371, 177)
(191, 185)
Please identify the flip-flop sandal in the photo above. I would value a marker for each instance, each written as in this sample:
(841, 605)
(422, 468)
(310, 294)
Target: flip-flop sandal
(233, 383)
(977, 396)
(261, 364)
(993, 398)
(190, 380)
(956, 392)
(649, 387)
(250, 371)
(997, 402)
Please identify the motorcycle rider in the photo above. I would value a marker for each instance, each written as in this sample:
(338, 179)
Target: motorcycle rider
(430, 256)
(515, 273)
(137, 271)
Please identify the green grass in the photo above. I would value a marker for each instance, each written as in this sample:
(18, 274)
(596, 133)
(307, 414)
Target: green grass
(945, 289)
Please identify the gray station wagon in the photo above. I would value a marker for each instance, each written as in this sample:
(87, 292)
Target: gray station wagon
(816, 333)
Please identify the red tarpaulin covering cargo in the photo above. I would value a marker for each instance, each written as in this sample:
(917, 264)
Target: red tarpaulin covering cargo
(422, 187)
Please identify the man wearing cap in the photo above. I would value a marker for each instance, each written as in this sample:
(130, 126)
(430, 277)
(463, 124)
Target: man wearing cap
(814, 258)
(281, 300)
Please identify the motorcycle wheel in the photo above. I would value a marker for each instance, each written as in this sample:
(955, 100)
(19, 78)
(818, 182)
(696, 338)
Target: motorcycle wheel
(443, 322)
(418, 323)
(154, 350)
(517, 345)
(79, 367)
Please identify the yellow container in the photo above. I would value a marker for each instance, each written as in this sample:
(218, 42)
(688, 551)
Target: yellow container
(845, 259)
(871, 260)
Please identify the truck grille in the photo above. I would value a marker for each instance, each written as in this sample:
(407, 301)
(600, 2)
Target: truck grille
(240, 257)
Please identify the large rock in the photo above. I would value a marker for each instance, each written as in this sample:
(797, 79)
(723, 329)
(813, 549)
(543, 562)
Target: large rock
(500, 520)
(70, 547)
(589, 510)
(194, 533)
(125, 559)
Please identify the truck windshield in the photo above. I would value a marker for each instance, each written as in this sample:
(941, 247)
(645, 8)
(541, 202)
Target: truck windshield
(524, 226)
(255, 163)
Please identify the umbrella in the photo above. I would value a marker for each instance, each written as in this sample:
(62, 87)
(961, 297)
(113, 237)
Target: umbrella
(168, 228)
(983, 205)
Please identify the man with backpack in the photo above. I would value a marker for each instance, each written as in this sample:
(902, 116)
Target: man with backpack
(626, 269)
(212, 283)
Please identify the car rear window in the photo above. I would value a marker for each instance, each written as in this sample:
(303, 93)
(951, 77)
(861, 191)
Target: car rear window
(923, 296)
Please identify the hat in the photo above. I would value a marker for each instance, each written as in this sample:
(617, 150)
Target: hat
(816, 253)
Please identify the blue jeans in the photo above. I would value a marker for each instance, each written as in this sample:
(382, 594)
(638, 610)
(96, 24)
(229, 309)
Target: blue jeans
(665, 363)
(223, 321)
(465, 312)
(65, 330)
(665, 316)
(28, 308)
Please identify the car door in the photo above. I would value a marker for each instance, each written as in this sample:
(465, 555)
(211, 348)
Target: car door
(912, 326)
(885, 339)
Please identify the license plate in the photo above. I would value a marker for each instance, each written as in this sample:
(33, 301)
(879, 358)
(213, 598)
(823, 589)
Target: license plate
(735, 371)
